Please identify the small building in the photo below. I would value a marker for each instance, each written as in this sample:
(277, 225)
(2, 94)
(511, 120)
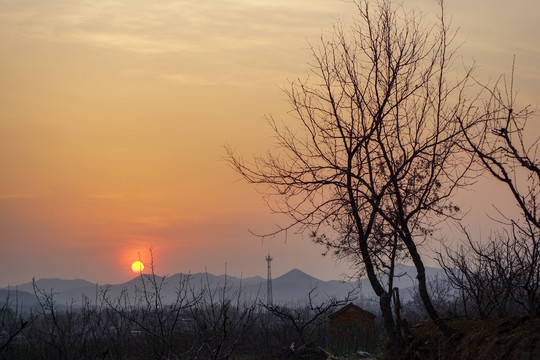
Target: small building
(351, 328)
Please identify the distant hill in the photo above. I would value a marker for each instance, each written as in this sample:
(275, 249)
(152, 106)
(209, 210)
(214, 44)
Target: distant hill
(290, 288)
(57, 285)
(13, 298)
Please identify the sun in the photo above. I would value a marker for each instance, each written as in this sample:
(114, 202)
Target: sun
(137, 266)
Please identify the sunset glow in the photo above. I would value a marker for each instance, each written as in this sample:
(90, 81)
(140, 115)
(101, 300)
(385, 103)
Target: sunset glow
(115, 115)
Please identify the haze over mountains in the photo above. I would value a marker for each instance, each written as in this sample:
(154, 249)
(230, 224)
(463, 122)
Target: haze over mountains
(291, 288)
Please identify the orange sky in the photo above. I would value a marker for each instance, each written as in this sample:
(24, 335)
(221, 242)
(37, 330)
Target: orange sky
(115, 113)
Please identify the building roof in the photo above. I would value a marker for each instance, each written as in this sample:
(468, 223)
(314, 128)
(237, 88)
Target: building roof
(350, 307)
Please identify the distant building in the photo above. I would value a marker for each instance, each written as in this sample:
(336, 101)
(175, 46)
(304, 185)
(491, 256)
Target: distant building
(351, 328)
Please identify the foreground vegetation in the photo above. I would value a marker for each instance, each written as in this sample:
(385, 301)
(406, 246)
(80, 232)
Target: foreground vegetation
(488, 339)
(215, 322)
(220, 322)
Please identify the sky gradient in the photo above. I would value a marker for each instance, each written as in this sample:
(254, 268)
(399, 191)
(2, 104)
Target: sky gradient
(115, 115)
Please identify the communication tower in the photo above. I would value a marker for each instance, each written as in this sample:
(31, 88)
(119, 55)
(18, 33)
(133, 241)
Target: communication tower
(269, 300)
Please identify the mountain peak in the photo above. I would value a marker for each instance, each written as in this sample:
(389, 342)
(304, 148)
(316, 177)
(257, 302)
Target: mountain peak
(296, 275)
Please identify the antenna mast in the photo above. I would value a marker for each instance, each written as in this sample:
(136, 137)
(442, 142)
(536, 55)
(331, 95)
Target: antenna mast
(269, 301)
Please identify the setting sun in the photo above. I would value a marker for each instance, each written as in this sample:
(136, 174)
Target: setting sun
(137, 266)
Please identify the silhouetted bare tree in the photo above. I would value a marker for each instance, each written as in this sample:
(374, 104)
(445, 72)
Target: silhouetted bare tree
(12, 322)
(506, 151)
(372, 154)
(222, 319)
(496, 279)
(473, 277)
(308, 318)
(66, 331)
(157, 322)
(498, 138)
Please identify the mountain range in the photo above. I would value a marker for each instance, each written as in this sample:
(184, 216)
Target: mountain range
(291, 288)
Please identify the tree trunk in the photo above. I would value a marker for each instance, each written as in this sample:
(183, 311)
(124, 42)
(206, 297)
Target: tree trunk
(422, 288)
(394, 341)
(385, 301)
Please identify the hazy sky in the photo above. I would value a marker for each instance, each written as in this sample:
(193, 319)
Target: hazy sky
(114, 115)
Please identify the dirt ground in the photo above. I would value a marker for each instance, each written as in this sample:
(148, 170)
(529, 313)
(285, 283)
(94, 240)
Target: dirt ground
(496, 339)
